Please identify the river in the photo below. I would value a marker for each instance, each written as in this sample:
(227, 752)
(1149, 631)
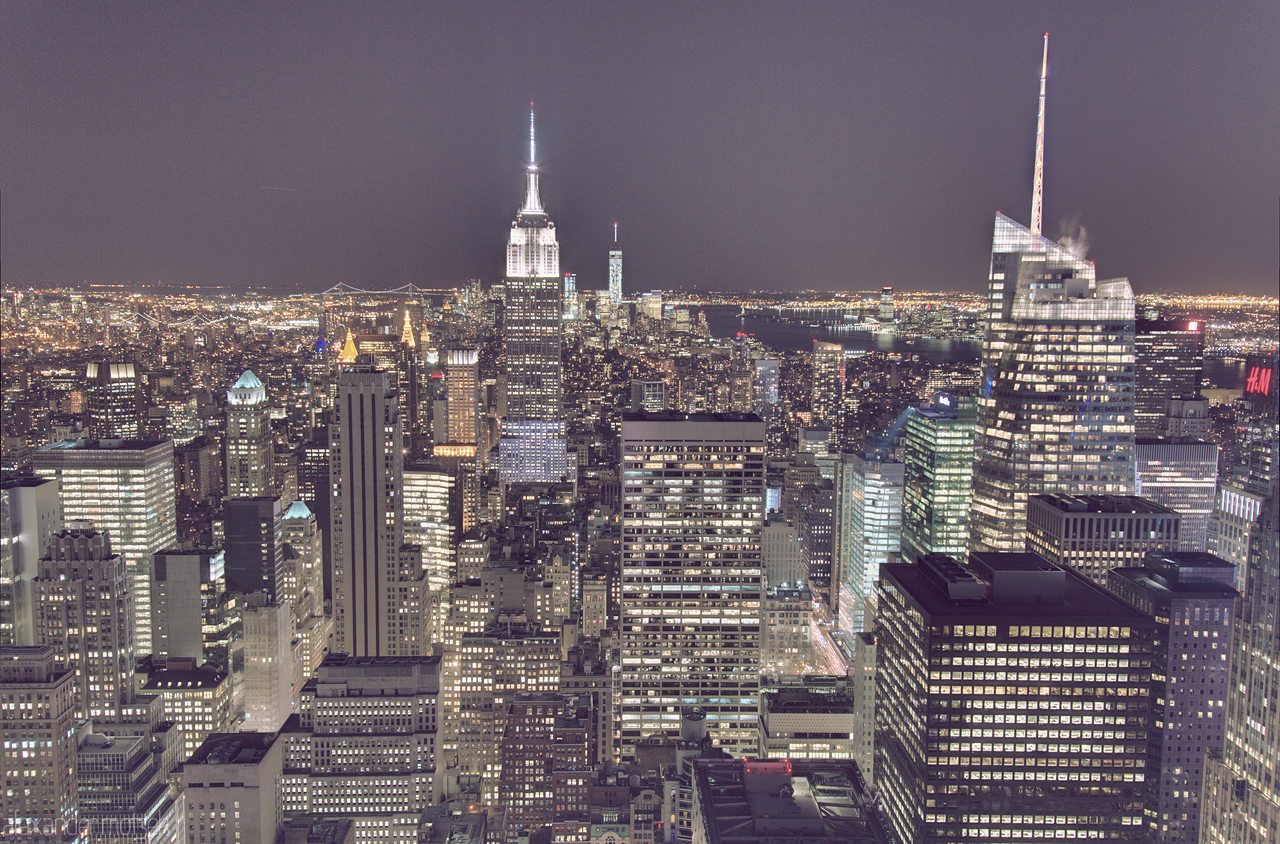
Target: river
(724, 321)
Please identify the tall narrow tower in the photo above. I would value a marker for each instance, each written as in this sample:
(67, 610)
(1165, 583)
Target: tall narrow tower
(250, 471)
(533, 445)
(615, 272)
(1055, 405)
(376, 580)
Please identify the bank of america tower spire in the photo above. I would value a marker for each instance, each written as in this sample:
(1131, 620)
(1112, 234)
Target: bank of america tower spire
(1055, 407)
(532, 448)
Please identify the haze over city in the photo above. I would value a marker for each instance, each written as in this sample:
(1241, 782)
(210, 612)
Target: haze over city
(738, 147)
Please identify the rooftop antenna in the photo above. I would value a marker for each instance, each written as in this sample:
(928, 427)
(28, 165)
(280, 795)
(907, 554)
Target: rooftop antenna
(615, 232)
(532, 202)
(533, 157)
(1037, 187)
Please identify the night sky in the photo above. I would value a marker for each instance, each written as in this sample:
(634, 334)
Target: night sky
(739, 146)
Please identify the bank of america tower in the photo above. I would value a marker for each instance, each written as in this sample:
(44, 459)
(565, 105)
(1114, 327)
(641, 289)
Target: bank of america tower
(1055, 404)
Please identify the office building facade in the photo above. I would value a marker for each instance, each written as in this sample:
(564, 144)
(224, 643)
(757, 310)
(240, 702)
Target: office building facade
(126, 488)
(692, 514)
(41, 797)
(254, 545)
(937, 461)
(1241, 790)
(113, 400)
(85, 613)
(986, 730)
(1189, 594)
(869, 498)
(1183, 476)
(1168, 358)
(1092, 534)
(30, 514)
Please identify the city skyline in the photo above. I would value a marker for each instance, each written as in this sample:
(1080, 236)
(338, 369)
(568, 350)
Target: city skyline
(268, 150)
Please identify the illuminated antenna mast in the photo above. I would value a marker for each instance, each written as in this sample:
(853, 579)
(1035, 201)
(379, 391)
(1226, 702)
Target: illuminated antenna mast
(533, 157)
(1037, 187)
(615, 232)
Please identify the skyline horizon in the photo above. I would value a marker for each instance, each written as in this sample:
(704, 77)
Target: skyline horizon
(267, 149)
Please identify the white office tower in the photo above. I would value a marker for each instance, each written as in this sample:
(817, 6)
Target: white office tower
(231, 789)
(250, 453)
(1056, 401)
(1182, 475)
(692, 516)
(533, 448)
(126, 488)
(428, 523)
(30, 514)
(869, 493)
(268, 663)
(377, 582)
(364, 745)
(615, 278)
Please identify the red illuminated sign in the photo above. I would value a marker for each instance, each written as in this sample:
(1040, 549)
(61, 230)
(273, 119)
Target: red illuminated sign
(1259, 381)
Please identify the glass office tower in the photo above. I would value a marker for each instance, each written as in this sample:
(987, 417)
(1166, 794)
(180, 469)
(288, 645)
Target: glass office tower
(1055, 406)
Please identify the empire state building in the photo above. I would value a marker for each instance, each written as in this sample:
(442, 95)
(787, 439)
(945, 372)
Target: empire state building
(532, 448)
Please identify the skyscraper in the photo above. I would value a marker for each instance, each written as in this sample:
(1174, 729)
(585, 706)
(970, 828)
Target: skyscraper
(30, 514)
(937, 459)
(1181, 474)
(887, 313)
(126, 488)
(533, 447)
(1242, 792)
(85, 612)
(249, 447)
(462, 379)
(1191, 599)
(39, 801)
(254, 546)
(377, 582)
(1055, 407)
(692, 515)
(615, 272)
(828, 384)
(1168, 358)
(869, 490)
(189, 621)
(113, 400)
(970, 663)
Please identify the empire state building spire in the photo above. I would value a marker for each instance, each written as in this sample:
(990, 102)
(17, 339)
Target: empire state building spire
(532, 202)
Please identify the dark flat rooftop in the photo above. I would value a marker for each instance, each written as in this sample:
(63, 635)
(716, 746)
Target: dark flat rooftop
(1084, 602)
